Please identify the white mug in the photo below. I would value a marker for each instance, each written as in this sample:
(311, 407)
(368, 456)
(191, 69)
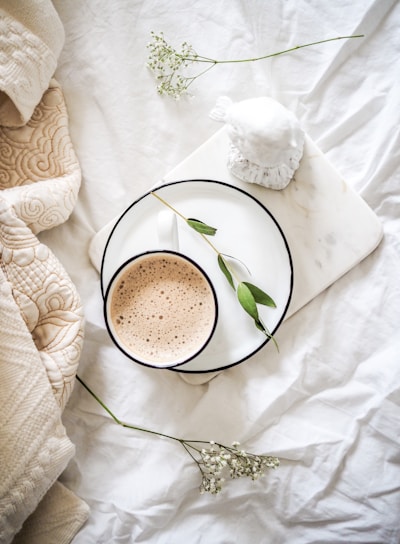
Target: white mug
(160, 307)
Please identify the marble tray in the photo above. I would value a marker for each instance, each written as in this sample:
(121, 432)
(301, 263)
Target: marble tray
(329, 227)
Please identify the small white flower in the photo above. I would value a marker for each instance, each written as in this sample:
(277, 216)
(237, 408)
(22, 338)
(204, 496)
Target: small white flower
(166, 63)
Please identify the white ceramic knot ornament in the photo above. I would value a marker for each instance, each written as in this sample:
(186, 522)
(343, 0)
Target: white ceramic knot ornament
(266, 140)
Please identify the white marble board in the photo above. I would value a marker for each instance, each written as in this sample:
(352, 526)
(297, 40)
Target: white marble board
(328, 226)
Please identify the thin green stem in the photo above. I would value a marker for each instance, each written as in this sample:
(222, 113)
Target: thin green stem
(168, 205)
(211, 480)
(117, 420)
(200, 58)
(209, 243)
(98, 400)
(205, 238)
(187, 446)
(268, 334)
(259, 324)
(231, 270)
(193, 79)
(135, 427)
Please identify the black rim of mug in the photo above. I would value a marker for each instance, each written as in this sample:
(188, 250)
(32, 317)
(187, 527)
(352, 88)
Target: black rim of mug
(126, 352)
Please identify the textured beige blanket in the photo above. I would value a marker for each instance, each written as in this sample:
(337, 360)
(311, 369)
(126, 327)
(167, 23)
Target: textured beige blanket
(41, 318)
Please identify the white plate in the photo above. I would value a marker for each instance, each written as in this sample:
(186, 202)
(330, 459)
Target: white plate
(246, 231)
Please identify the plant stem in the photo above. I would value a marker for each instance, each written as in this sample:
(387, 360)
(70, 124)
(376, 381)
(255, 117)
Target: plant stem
(231, 270)
(220, 255)
(206, 463)
(182, 441)
(184, 218)
(168, 205)
(193, 78)
(205, 238)
(118, 421)
(215, 61)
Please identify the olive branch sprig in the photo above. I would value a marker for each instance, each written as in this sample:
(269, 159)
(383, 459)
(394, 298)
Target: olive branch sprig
(169, 64)
(214, 460)
(248, 294)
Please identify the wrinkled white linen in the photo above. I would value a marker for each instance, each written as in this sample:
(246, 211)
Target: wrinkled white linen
(328, 404)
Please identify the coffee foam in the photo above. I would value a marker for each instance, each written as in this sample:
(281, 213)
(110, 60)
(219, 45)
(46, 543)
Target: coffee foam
(162, 309)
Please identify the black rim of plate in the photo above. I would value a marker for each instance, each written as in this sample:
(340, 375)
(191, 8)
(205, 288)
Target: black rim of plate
(240, 190)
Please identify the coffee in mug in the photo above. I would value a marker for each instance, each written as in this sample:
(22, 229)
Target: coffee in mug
(161, 309)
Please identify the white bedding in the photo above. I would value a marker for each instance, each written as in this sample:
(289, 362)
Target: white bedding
(328, 405)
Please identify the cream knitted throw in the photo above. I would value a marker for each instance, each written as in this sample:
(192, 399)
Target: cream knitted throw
(41, 318)
(34, 448)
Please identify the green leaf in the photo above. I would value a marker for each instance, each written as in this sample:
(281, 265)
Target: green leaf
(238, 261)
(259, 325)
(247, 301)
(260, 296)
(201, 227)
(225, 270)
(263, 328)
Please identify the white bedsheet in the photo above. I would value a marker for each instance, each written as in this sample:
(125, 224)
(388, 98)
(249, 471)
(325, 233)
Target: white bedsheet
(328, 405)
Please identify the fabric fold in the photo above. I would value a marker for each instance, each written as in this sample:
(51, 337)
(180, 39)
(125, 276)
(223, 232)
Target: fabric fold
(41, 314)
(31, 39)
(34, 446)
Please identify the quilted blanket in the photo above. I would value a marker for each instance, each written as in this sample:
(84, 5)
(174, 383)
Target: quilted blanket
(41, 317)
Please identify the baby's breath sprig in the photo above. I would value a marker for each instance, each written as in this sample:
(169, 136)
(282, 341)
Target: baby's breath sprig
(218, 460)
(214, 461)
(248, 294)
(169, 65)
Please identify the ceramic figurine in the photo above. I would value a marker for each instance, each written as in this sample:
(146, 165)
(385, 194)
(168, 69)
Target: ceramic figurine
(266, 140)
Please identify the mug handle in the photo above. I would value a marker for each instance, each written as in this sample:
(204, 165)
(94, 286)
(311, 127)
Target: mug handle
(167, 230)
